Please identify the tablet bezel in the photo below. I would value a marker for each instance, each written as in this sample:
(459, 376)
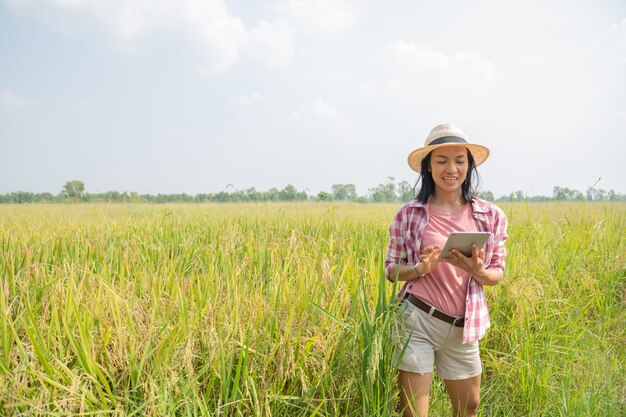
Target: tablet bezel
(462, 241)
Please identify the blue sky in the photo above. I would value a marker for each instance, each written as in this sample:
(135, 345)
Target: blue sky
(171, 96)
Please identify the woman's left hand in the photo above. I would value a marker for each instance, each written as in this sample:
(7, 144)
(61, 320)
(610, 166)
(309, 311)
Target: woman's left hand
(475, 265)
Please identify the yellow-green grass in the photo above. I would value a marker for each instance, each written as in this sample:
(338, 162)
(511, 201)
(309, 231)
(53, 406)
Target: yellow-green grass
(283, 310)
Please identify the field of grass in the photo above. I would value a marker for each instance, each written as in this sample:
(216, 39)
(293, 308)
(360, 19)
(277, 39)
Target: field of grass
(283, 310)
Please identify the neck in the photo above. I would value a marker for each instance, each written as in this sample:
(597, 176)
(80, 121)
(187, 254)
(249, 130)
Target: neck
(448, 200)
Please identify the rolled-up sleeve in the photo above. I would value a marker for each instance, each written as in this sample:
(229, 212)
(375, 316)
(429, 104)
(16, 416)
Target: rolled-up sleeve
(396, 251)
(499, 227)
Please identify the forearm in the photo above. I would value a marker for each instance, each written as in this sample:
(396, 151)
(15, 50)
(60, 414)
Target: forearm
(404, 272)
(488, 276)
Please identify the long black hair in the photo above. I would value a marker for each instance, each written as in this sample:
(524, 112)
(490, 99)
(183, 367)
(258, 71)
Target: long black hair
(468, 188)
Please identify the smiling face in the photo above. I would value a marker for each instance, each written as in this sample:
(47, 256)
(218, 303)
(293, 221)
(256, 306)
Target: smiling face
(448, 166)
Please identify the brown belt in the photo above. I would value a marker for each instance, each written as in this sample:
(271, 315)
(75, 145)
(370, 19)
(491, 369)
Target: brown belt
(456, 321)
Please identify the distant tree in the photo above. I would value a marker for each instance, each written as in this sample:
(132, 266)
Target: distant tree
(288, 193)
(344, 191)
(405, 192)
(564, 193)
(558, 193)
(486, 195)
(302, 196)
(200, 198)
(387, 192)
(339, 192)
(236, 196)
(25, 197)
(384, 192)
(598, 194)
(592, 191)
(539, 198)
(324, 196)
(222, 197)
(46, 198)
(251, 194)
(74, 190)
(350, 191)
(273, 194)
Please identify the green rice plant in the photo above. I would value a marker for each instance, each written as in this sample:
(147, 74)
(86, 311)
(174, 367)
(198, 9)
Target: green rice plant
(377, 369)
(283, 310)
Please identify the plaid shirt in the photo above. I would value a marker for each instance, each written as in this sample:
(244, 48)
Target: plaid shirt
(406, 233)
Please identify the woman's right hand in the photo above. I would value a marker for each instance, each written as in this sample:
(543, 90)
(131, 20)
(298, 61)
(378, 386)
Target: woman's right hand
(430, 258)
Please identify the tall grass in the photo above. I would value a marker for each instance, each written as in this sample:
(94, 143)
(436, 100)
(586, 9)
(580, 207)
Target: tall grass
(283, 310)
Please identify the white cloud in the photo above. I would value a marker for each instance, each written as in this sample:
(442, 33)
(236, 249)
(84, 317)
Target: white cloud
(618, 31)
(411, 57)
(317, 116)
(246, 100)
(317, 122)
(220, 35)
(271, 43)
(318, 109)
(219, 38)
(321, 15)
(615, 36)
(10, 99)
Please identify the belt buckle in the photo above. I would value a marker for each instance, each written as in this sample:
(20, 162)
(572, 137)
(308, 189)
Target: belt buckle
(458, 319)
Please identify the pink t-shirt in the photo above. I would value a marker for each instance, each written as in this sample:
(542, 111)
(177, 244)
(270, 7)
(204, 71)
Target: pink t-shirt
(446, 287)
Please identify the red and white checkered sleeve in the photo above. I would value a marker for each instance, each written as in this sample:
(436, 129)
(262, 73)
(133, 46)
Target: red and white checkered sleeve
(396, 251)
(499, 226)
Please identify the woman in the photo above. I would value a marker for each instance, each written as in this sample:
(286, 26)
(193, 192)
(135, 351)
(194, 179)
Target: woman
(444, 305)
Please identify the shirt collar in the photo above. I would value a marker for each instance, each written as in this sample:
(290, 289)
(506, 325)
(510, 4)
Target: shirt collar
(415, 203)
(479, 206)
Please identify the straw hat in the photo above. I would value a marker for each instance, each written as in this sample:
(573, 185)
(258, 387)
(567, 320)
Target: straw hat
(446, 135)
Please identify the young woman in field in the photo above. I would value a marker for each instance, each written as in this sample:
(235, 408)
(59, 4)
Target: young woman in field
(443, 301)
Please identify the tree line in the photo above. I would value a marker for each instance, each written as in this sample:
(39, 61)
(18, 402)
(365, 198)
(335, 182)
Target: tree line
(389, 191)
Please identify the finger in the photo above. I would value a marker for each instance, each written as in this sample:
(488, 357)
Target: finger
(452, 261)
(455, 262)
(458, 255)
(474, 251)
(481, 255)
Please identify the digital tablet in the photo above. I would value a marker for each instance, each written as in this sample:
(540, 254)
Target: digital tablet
(462, 241)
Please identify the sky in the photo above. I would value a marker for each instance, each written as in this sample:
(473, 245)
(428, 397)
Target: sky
(194, 96)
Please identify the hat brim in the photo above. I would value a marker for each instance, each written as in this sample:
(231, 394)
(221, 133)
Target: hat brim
(479, 153)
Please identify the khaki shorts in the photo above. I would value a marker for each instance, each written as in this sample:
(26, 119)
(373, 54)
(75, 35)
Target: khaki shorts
(431, 342)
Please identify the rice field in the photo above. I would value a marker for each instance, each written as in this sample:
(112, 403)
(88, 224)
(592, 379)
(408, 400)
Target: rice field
(282, 310)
